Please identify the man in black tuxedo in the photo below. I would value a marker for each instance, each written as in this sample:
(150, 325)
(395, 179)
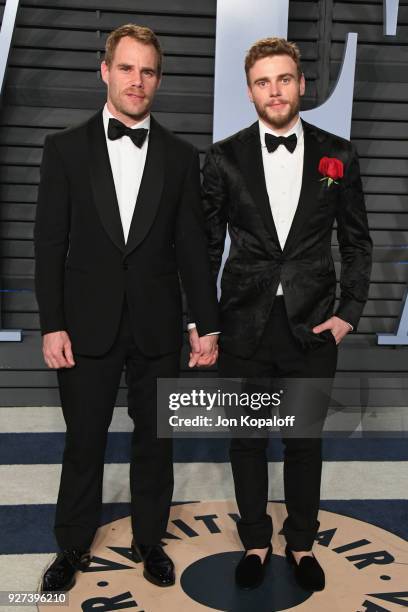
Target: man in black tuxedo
(279, 194)
(119, 218)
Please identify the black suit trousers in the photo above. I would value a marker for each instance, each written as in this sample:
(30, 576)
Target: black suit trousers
(88, 394)
(279, 354)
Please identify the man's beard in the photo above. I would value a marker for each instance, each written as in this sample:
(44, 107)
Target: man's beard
(133, 115)
(279, 121)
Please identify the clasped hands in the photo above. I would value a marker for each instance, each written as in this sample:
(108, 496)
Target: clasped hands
(204, 349)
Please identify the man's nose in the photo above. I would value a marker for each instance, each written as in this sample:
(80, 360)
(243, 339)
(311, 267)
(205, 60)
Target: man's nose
(137, 80)
(274, 89)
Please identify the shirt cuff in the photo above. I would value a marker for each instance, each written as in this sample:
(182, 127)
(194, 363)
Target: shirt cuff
(193, 326)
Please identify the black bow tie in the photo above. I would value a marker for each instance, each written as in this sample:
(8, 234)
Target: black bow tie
(116, 130)
(272, 142)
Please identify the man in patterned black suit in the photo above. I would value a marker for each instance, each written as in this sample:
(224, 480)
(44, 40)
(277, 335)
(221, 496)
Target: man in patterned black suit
(279, 185)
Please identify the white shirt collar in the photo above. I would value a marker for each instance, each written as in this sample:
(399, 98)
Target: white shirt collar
(295, 129)
(106, 114)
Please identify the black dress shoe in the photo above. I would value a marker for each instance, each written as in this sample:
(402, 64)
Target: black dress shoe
(60, 575)
(158, 567)
(308, 573)
(250, 571)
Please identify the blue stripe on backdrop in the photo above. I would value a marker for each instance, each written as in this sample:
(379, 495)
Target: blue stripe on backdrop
(47, 448)
(29, 529)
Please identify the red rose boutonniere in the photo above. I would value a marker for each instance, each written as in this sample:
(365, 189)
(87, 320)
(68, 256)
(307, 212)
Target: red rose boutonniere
(331, 168)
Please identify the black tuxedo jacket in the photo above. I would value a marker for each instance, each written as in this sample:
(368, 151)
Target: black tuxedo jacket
(84, 269)
(234, 193)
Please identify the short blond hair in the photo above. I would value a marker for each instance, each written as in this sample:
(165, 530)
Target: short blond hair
(141, 34)
(268, 47)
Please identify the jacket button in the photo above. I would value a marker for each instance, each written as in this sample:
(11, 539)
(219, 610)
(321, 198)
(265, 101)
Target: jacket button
(125, 266)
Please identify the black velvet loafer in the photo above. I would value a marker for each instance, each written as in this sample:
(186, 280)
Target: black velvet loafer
(60, 575)
(308, 573)
(250, 571)
(158, 567)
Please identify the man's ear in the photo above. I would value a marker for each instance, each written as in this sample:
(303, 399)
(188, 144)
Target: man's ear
(104, 71)
(302, 85)
(250, 94)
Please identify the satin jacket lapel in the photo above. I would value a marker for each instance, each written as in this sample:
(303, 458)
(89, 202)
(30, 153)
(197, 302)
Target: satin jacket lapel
(150, 190)
(249, 154)
(103, 186)
(311, 185)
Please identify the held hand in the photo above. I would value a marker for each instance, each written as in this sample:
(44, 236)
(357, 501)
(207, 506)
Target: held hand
(209, 350)
(337, 326)
(57, 350)
(195, 347)
(204, 349)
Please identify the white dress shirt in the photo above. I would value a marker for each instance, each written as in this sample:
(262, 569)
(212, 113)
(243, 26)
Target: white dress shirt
(127, 162)
(283, 175)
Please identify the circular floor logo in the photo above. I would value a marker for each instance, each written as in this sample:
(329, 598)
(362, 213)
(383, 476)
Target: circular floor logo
(365, 566)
